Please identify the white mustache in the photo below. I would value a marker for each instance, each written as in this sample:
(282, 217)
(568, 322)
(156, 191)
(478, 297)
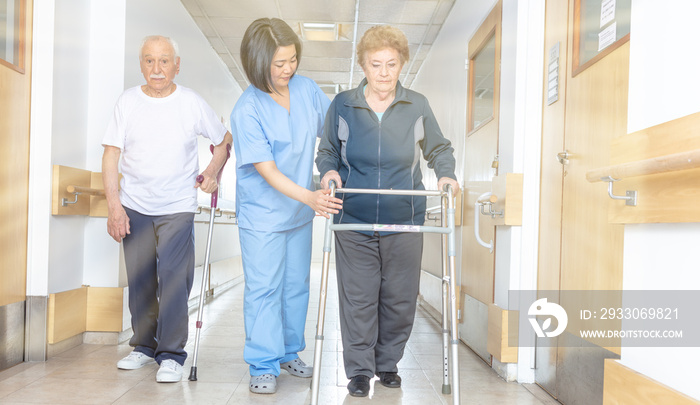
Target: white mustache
(160, 76)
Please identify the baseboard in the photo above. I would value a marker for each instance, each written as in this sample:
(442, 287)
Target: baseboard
(624, 385)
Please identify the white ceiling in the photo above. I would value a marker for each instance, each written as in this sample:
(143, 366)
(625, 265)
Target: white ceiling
(224, 22)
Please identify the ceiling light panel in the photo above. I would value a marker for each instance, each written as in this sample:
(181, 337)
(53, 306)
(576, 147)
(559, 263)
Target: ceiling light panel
(324, 31)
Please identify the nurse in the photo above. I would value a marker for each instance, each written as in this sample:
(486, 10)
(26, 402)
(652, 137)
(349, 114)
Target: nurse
(275, 124)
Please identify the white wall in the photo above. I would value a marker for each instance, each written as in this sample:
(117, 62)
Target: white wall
(69, 127)
(664, 85)
(39, 209)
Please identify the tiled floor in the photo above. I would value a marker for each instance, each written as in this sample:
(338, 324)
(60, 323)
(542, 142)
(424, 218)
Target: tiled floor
(87, 374)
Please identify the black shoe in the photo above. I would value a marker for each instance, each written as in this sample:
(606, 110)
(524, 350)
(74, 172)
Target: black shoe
(359, 386)
(389, 379)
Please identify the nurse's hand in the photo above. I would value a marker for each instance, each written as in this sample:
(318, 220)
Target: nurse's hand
(321, 202)
(331, 175)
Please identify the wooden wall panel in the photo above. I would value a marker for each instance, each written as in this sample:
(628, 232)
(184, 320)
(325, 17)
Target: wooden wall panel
(104, 309)
(661, 198)
(67, 314)
(14, 173)
(85, 309)
(500, 333)
(625, 386)
(675, 136)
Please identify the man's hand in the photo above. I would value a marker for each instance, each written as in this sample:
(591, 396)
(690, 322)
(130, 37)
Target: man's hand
(208, 184)
(118, 224)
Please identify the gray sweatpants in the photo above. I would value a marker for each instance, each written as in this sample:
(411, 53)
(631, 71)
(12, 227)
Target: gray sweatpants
(159, 258)
(378, 277)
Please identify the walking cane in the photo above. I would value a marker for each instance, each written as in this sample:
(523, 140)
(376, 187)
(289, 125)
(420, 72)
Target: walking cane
(205, 269)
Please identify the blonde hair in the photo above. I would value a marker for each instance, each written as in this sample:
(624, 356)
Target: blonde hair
(380, 37)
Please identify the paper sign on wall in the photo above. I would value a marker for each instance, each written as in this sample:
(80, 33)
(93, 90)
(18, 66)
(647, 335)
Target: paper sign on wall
(607, 36)
(607, 12)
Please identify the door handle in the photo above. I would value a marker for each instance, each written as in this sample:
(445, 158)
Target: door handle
(563, 157)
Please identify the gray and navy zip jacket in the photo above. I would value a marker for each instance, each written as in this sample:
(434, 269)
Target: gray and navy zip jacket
(369, 153)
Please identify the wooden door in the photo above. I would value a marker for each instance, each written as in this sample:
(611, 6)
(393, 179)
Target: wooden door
(481, 150)
(592, 111)
(14, 181)
(552, 180)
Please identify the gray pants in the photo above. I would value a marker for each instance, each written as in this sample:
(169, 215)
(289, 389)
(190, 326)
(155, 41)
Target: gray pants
(159, 258)
(378, 277)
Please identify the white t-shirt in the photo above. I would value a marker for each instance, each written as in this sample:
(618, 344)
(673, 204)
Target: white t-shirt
(158, 142)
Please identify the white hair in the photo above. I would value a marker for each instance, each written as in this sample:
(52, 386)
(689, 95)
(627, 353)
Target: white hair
(159, 37)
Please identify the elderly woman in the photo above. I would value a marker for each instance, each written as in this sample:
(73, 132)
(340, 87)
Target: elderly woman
(275, 124)
(373, 138)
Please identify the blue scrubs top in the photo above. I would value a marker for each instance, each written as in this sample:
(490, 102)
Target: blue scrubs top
(262, 131)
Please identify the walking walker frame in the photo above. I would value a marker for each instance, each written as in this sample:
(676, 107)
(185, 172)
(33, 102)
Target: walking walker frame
(449, 332)
(205, 269)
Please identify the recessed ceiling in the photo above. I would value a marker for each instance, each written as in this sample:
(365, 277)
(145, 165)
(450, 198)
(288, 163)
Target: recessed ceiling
(330, 63)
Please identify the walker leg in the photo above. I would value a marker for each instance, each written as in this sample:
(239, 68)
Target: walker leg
(446, 389)
(318, 348)
(453, 300)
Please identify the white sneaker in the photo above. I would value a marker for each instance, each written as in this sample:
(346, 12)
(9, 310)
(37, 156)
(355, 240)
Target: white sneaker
(134, 360)
(169, 371)
(297, 368)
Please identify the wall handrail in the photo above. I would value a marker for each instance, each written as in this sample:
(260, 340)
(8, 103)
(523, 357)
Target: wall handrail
(219, 212)
(84, 190)
(78, 190)
(484, 199)
(661, 164)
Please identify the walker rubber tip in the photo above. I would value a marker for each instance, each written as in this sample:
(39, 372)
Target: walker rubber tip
(446, 389)
(193, 373)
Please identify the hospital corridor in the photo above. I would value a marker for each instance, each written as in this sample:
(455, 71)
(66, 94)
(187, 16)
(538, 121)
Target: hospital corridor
(447, 202)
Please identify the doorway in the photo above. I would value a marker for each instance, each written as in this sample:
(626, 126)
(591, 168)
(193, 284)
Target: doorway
(585, 108)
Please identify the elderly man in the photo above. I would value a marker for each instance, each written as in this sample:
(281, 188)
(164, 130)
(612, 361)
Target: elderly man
(154, 131)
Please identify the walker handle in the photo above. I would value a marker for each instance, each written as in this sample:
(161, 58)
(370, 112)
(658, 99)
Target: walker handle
(200, 178)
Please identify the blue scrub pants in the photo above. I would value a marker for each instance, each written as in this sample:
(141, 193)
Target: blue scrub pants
(159, 258)
(276, 267)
